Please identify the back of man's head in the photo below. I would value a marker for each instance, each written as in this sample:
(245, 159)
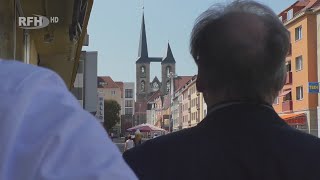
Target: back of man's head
(240, 51)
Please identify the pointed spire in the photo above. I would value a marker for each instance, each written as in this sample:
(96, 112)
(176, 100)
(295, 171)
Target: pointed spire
(143, 46)
(168, 58)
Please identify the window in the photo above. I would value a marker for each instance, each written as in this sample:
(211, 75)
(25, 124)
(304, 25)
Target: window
(168, 86)
(128, 111)
(299, 63)
(276, 101)
(143, 88)
(113, 92)
(298, 32)
(143, 71)
(129, 103)
(128, 93)
(168, 69)
(288, 66)
(299, 93)
(290, 14)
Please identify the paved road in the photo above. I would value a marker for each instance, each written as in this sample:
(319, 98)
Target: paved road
(119, 143)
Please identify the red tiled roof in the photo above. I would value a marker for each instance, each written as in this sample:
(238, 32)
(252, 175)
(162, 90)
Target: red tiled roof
(154, 95)
(301, 5)
(120, 84)
(180, 81)
(108, 82)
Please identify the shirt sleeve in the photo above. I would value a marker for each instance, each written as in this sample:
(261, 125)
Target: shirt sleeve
(55, 138)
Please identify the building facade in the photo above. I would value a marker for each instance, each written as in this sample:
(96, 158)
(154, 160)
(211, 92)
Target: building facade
(85, 85)
(128, 108)
(295, 104)
(57, 47)
(111, 91)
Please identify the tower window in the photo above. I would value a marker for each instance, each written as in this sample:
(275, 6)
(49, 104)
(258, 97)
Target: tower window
(143, 88)
(168, 69)
(168, 86)
(143, 71)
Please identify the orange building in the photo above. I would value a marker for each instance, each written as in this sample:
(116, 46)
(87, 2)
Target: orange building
(295, 104)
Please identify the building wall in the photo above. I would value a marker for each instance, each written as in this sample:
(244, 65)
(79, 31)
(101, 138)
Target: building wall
(142, 95)
(193, 104)
(90, 81)
(129, 86)
(185, 111)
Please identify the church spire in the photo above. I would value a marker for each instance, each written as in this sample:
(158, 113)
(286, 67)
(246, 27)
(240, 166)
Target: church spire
(168, 58)
(143, 46)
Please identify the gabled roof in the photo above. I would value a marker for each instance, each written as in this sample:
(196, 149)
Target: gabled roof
(154, 96)
(155, 79)
(168, 58)
(106, 82)
(180, 81)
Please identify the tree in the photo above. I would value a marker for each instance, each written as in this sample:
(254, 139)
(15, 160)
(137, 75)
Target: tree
(111, 114)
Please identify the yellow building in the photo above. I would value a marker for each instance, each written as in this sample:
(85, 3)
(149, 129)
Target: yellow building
(295, 104)
(57, 46)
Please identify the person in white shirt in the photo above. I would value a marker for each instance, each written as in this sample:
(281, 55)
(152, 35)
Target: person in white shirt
(128, 144)
(45, 133)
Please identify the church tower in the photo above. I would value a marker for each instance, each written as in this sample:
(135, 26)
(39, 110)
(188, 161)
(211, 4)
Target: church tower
(168, 65)
(143, 66)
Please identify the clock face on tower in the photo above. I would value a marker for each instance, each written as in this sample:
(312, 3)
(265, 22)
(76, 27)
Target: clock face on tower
(155, 85)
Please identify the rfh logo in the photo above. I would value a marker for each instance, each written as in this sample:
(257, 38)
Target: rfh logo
(36, 22)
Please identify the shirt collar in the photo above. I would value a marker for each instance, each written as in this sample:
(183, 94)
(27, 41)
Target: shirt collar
(230, 103)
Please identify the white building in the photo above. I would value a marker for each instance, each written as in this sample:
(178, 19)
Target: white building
(127, 107)
(85, 85)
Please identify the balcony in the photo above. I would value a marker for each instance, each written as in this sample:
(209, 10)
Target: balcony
(290, 50)
(287, 106)
(289, 78)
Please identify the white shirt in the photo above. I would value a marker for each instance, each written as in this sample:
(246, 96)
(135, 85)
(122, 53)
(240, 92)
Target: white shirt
(129, 144)
(45, 133)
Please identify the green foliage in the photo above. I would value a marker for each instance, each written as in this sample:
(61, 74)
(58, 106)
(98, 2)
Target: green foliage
(111, 114)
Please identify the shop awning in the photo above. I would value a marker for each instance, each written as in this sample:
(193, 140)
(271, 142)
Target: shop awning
(294, 119)
(285, 92)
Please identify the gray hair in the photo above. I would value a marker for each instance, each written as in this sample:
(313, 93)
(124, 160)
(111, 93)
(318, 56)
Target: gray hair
(233, 66)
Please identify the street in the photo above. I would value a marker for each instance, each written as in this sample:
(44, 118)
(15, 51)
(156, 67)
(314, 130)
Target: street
(120, 143)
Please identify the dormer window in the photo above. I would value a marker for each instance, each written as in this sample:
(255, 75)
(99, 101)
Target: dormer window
(280, 18)
(290, 14)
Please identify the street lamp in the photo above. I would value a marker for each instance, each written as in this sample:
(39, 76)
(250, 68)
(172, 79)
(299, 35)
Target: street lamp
(171, 76)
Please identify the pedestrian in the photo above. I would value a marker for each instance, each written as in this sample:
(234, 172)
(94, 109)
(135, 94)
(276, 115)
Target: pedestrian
(240, 50)
(137, 138)
(46, 134)
(112, 136)
(129, 143)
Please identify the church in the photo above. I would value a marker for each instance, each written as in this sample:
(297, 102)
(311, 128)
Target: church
(145, 87)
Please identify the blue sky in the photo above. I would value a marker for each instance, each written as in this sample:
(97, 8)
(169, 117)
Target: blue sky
(114, 29)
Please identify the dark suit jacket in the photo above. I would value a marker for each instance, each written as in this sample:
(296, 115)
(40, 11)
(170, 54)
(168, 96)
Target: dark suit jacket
(234, 142)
